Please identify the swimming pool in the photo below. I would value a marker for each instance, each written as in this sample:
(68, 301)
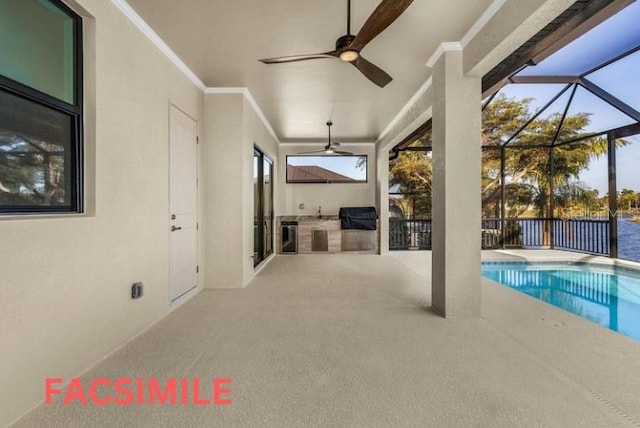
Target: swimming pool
(606, 295)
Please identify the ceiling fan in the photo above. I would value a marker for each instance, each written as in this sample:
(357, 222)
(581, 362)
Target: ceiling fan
(348, 47)
(331, 148)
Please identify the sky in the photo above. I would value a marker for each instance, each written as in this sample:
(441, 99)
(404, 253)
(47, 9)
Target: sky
(345, 165)
(615, 36)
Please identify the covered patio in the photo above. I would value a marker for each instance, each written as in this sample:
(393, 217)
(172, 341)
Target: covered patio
(323, 341)
(558, 133)
(161, 259)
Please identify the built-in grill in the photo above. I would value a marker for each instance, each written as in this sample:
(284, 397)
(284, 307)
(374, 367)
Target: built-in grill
(363, 218)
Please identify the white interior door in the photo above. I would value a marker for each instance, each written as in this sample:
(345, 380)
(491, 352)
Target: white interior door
(183, 191)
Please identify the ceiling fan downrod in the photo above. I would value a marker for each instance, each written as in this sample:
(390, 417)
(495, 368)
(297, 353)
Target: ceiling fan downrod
(348, 47)
(348, 17)
(347, 55)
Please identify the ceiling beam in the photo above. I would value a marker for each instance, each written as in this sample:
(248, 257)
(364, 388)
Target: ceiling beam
(614, 101)
(544, 79)
(592, 13)
(626, 131)
(596, 12)
(535, 116)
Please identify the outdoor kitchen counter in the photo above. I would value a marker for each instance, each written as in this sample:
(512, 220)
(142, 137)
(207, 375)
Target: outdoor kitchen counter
(317, 235)
(300, 218)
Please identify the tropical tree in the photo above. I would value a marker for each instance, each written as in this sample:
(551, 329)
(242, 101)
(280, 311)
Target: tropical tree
(574, 198)
(528, 160)
(628, 200)
(31, 172)
(410, 174)
(528, 157)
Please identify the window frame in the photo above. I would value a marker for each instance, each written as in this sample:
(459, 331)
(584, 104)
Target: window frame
(75, 111)
(366, 172)
(260, 253)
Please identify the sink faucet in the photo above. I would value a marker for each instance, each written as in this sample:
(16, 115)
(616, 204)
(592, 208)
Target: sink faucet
(319, 211)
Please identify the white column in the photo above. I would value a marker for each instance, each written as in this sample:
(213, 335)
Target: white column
(225, 195)
(382, 190)
(456, 189)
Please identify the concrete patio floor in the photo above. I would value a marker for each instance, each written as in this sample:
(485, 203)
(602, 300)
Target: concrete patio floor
(349, 341)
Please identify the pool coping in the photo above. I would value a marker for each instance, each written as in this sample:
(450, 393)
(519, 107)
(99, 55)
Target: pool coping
(560, 256)
(612, 268)
(602, 364)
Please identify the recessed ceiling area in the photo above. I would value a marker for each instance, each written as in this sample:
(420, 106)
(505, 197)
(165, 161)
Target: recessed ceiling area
(221, 42)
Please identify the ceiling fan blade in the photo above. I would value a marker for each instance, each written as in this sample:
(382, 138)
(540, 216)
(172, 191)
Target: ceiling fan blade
(312, 152)
(293, 58)
(342, 152)
(384, 15)
(372, 72)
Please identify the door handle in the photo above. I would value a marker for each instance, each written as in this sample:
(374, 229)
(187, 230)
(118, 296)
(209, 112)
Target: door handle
(174, 228)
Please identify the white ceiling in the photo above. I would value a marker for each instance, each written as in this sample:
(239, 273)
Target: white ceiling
(222, 40)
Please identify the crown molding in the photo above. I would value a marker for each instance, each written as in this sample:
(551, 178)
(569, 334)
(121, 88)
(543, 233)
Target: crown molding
(226, 90)
(145, 29)
(407, 130)
(426, 85)
(482, 21)
(444, 47)
(247, 94)
(475, 29)
(140, 23)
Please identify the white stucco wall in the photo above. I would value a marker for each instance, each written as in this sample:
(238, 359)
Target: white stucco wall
(65, 282)
(513, 23)
(223, 176)
(254, 132)
(330, 196)
(232, 127)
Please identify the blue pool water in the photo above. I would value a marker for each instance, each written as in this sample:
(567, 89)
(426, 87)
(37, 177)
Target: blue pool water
(605, 295)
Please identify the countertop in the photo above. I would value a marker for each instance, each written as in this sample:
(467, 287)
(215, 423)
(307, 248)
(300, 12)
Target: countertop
(307, 218)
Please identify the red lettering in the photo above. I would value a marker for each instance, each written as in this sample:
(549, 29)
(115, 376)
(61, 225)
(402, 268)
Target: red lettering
(196, 394)
(124, 393)
(75, 392)
(169, 392)
(48, 390)
(218, 390)
(140, 391)
(92, 391)
(118, 386)
(184, 384)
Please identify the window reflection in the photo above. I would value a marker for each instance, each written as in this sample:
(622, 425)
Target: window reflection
(327, 169)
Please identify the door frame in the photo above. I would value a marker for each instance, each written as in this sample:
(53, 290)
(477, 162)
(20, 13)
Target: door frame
(261, 257)
(191, 293)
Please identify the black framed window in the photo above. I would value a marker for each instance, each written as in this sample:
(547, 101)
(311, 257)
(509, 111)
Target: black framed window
(327, 169)
(40, 107)
(263, 206)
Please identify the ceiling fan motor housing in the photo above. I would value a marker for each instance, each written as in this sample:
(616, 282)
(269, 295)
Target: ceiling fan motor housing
(348, 47)
(344, 41)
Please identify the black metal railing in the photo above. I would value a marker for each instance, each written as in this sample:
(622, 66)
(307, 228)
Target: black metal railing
(409, 234)
(587, 236)
(518, 233)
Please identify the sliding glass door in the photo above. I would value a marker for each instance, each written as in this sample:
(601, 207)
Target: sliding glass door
(262, 206)
(268, 206)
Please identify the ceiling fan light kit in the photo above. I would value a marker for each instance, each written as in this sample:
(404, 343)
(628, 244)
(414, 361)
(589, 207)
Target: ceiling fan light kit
(331, 147)
(348, 47)
(349, 55)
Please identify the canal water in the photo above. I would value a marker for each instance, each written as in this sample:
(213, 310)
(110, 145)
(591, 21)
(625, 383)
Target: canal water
(628, 240)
